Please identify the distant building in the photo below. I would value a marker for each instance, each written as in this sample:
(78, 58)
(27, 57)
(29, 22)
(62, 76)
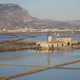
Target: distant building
(59, 42)
(73, 42)
(52, 43)
(49, 37)
(66, 40)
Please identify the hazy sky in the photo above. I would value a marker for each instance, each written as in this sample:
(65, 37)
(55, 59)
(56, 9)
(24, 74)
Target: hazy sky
(50, 9)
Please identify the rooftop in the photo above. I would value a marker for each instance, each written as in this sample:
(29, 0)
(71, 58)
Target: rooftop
(55, 41)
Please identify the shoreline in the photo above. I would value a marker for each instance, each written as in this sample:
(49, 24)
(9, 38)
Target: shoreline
(17, 46)
(12, 33)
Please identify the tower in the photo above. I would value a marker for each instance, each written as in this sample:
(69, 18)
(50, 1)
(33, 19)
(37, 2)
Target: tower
(49, 37)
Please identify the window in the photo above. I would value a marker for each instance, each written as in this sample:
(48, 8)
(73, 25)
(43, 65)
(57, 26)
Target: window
(62, 44)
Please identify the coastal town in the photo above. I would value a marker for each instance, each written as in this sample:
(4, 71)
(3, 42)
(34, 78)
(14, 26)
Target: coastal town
(28, 30)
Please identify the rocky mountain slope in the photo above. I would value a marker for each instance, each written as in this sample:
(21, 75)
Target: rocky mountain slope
(13, 16)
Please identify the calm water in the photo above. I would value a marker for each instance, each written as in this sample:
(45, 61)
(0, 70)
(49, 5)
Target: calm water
(9, 38)
(39, 37)
(44, 36)
(51, 59)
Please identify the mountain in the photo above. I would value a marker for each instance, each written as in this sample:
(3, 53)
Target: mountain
(13, 16)
(77, 22)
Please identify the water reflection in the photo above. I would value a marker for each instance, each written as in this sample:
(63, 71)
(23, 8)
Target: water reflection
(42, 59)
(49, 58)
(68, 53)
(57, 56)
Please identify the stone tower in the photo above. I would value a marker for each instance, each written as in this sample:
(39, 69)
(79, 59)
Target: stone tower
(49, 37)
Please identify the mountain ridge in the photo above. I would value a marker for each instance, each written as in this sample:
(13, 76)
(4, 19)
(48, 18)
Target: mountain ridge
(13, 16)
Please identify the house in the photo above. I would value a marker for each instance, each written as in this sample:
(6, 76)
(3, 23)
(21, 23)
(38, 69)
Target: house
(66, 40)
(55, 44)
(50, 43)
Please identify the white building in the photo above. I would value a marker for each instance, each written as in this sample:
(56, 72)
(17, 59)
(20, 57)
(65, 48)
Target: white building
(66, 40)
(53, 43)
(49, 38)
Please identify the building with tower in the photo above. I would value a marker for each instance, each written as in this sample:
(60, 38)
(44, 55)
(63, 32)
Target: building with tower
(59, 42)
(49, 37)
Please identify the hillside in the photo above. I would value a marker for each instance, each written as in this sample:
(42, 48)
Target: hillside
(13, 16)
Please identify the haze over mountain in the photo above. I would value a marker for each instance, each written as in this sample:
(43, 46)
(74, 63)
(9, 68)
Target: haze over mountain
(13, 16)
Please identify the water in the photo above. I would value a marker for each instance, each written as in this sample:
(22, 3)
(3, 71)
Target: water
(9, 70)
(74, 36)
(51, 59)
(9, 38)
(53, 74)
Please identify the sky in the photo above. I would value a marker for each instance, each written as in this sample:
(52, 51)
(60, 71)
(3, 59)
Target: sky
(60, 10)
